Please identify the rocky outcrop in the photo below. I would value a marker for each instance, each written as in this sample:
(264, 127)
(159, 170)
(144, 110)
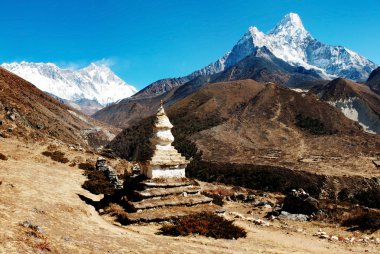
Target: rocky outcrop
(300, 202)
(101, 165)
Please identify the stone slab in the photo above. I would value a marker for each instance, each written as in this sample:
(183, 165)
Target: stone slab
(188, 200)
(168, 183)
(160, 192)
(167, 213)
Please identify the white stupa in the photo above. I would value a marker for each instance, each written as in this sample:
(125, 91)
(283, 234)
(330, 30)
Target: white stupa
(166, 161)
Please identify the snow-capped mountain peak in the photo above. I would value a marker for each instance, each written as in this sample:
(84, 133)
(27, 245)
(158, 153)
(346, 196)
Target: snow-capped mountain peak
(291, 22)
(291, 42)
(94, 82)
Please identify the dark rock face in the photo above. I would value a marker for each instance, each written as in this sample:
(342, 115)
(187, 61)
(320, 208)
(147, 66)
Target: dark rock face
(374, 81)
(299, 202)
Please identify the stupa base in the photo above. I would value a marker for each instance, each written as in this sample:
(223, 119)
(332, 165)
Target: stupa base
(152, 172)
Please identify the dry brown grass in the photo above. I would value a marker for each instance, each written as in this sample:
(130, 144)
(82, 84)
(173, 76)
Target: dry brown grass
(35, 237)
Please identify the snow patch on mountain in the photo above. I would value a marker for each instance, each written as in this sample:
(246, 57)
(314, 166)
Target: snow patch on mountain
(357, 110)
(94, 82)
(291, 42)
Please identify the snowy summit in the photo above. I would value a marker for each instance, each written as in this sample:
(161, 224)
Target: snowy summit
(291, 42)
(94, 82)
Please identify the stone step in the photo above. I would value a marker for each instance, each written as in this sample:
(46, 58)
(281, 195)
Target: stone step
(167, 162)
(167, 213)
(168, 183)
(168, 158)
(159, 192)
(179, 200)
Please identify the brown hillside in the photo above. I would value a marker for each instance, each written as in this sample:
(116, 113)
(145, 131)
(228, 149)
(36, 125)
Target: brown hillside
(31, 112)
(256, 135)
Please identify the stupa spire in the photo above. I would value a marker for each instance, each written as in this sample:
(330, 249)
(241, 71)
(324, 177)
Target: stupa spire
(166, 162)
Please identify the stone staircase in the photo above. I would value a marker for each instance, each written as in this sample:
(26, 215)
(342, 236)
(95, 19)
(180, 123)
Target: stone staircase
(164, 199)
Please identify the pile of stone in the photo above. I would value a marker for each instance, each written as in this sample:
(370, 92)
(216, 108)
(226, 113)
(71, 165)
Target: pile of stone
(109, 172)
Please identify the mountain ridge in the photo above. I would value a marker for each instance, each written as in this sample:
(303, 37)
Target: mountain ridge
(289, 41)
(31, 113)
(94, 82)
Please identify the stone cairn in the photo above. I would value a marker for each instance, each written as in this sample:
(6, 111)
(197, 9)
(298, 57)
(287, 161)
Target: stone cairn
(161, 191)
(109, 172)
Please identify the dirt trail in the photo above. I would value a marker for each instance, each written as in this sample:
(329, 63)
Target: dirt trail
(302, 146)
(46, 193)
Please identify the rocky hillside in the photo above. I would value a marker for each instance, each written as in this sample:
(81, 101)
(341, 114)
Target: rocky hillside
(374, 81)
(252, 124)
(357, 102)
(28, 112)
(261, 66)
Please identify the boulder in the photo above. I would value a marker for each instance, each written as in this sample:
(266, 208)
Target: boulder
(299, 202)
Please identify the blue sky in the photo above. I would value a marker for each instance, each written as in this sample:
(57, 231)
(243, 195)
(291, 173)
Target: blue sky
(145, 40)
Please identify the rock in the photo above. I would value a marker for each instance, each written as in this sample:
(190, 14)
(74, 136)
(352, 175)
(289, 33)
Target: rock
(109, 172)
(10, 129)
(295, 217)
(12, 117)
(220, 211)
(299, 202)
(40, 126)
(101, 163)
(334, 238)
(237, 215)
(261, 222)
(324, 236)
(266, 204)
(250, 197)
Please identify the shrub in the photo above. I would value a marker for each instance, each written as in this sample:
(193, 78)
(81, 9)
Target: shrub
(47, 153)
(206, 224)
(56, 156)
(43, 246)
(314, 126)
(369, 197)
(363, 219)
(86, 166)
(216, 198)
(98, 183)
(3, 157)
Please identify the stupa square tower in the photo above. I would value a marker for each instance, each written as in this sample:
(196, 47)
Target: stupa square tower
(166, 161)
